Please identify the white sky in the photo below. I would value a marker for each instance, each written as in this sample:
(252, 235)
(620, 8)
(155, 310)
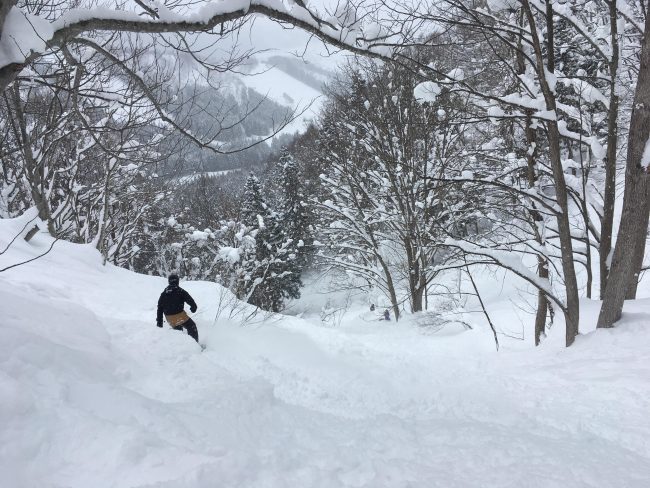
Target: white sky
(265, 34)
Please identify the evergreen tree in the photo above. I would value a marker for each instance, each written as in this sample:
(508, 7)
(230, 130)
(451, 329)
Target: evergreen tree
(292, 229)
(267, 270)
(252, 202)
(296, 219)
(269, 282)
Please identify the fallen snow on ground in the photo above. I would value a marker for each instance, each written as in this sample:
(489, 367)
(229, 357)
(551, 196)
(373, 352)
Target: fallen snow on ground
(95, 395)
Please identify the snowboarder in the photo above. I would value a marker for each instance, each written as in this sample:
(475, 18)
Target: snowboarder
(172, 303)
(372, 307)
(386, 315)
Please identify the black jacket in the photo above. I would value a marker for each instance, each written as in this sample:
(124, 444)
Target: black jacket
(172, 301)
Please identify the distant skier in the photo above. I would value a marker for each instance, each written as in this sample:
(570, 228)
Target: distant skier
(386, 315)
(172, 303)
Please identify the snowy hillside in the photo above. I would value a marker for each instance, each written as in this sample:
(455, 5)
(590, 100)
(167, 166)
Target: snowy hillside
(273, 94)
(288, 81)
(288, 66)
(94, 394)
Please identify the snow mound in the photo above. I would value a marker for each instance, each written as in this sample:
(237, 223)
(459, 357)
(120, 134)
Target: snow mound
(94, 394)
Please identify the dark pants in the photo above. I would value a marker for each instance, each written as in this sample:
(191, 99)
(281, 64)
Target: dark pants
(190, 327)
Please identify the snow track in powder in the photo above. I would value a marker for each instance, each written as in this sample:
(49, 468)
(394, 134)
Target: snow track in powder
(94, 394)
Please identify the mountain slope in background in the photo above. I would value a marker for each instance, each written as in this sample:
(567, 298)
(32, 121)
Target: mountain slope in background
(287, 80)
(274, 88)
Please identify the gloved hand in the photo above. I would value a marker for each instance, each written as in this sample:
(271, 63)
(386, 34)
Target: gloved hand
(159, 323)
(192, 309)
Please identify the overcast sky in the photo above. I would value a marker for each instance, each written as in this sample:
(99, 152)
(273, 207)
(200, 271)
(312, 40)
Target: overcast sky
(266, 34)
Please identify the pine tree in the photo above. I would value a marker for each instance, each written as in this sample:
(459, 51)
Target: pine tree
(253, 204)
(295, 214)
(266, 275)
(291, 231)
(269, 275)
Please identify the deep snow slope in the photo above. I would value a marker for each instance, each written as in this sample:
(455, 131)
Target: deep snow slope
(93, 394)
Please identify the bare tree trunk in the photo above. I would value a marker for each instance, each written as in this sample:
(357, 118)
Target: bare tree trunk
(391, 288)
(100, 241)
(417, 299)
(630, 242)
(542, 261)
(607, 222)
(572, 311)
(413, 265)
(542, 302)
(639, 252)
(584, 210)
(633, 219)
(531, 174)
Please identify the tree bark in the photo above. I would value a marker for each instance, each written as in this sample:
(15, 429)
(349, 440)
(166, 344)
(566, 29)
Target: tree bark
(607, 222)
(391, 287)
(572, 313)
(542, 261)
(542, 302)
(417, 296)
(639, 252)
(572, 310)
(630, 242)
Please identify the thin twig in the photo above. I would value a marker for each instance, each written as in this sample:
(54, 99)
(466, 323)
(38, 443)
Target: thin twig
(480, 300)
(32, 259)
(17, 235)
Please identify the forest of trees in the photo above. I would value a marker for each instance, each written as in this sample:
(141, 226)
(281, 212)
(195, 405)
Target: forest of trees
(460, 135)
